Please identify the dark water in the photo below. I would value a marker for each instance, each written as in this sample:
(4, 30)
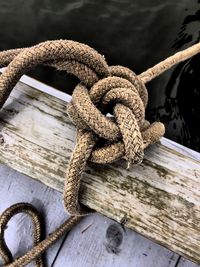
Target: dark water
(133, 33)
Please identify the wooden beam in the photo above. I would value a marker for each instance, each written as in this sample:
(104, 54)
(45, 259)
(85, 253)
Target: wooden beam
(159, 199)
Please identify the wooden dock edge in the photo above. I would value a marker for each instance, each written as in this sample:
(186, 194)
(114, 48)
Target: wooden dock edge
(160, 199)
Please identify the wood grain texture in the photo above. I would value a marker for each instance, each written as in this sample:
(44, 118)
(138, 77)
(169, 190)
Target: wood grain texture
(99, 241)
(159, 199)
(186, 263)
(15, 188)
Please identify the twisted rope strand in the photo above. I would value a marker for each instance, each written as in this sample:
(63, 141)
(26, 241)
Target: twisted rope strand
(39, 246)
(37, 230)
(169, 62)
(46, 52)
(100, 138)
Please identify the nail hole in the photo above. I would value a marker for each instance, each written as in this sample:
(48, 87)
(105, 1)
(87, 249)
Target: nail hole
(1, 139)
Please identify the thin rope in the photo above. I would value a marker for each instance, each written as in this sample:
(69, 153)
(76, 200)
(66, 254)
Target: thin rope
(101, 139)
(169, 62)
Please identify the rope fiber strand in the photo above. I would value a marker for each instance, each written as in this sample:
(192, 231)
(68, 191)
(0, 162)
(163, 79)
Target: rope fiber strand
(108, 109)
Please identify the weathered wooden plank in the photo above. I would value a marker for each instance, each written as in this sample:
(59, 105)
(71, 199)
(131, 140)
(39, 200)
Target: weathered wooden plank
(15, 188)
(159, 199)
(99, 241)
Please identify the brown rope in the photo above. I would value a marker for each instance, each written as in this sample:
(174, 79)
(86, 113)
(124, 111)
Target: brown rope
(101, 138)
(7, 215)
(39, 246)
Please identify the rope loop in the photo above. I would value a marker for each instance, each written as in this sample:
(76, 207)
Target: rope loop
(125, 96)
(37, 229)
(107, 107)
(110, 116)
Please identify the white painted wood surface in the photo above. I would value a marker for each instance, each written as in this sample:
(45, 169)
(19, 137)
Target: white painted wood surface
(16, 188)
(106, 243)
(186, 263)
(160, 198)
(95, 241)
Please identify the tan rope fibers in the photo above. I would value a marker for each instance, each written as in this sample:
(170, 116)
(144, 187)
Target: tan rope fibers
(100, 138)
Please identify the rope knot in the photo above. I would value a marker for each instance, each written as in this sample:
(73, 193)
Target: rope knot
(107, 107)
(113, 109)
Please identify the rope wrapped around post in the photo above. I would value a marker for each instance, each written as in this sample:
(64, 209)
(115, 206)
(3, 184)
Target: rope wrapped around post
(108, 109)
(125, 135)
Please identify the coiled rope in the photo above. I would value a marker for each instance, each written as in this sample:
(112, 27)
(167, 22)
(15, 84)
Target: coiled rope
(101, 138)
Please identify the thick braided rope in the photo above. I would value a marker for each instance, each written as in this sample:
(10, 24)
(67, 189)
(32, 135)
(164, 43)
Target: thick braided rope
(129, 134)
(38, 246)
(37, 231)
(101, 138)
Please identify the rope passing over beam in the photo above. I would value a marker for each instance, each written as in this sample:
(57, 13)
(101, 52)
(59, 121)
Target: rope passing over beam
(101, 137)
